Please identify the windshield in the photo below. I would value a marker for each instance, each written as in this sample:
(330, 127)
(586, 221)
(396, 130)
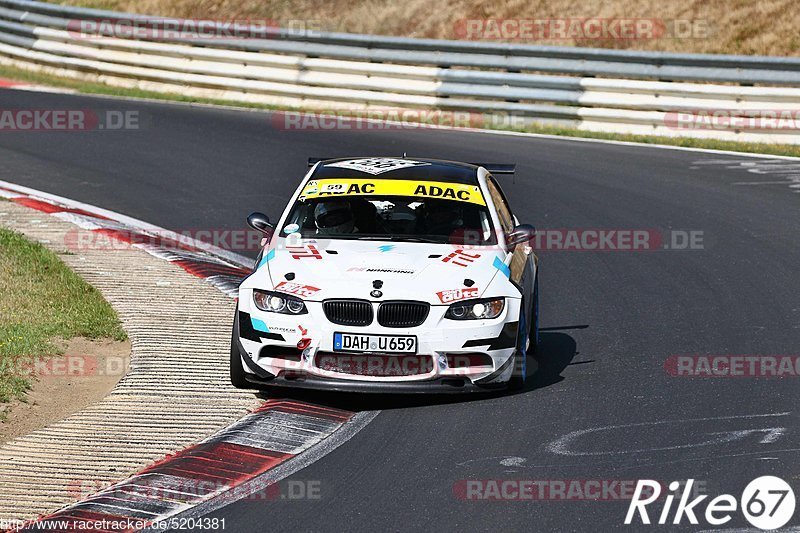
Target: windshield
(391, 218)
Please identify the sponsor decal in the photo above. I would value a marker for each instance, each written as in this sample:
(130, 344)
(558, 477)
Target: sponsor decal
(381, 270)
(308, 251)
(282, 330)
(297, 289)
(458, 192)
(460, 258)
(455, 295)
(386, 248)
(377, 165)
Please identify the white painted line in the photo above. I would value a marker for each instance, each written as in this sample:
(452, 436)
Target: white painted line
(763, 182)
(561, 446)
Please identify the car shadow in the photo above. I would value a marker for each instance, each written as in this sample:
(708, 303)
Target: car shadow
(556, 352)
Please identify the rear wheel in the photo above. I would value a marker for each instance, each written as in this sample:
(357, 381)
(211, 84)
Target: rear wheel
(238, 374)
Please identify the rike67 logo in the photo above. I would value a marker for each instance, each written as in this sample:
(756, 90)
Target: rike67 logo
(767, 502)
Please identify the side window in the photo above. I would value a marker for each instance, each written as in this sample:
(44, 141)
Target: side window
(503, 211)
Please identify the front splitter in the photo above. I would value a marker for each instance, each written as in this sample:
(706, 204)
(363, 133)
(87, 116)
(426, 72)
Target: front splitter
(434, 386)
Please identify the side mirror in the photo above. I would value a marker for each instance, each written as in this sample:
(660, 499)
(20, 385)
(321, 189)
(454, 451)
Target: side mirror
(260, 222)
(520, 235)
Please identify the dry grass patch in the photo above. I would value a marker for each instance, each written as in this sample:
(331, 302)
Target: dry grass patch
(766, 27)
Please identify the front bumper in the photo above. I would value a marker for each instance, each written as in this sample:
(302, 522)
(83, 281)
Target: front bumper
(259, 377)
(443, 342)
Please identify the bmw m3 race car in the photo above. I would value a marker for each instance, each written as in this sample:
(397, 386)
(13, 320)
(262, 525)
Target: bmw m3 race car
(390, 275)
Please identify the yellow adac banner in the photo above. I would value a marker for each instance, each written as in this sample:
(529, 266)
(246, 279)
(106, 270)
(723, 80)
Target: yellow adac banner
(458, 192)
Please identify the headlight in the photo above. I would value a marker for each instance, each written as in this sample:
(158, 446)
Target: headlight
(476, 309)
(274, 302)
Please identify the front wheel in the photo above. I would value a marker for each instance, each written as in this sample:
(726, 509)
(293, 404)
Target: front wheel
(533, 346)
(520, 363)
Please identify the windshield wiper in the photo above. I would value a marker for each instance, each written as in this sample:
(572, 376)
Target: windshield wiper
(397, 238)
(419, 239)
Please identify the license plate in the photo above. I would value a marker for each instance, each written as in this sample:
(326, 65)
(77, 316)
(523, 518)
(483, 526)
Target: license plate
(355, 342)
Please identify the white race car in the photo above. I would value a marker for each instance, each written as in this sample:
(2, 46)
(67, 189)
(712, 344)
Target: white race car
(390, 275)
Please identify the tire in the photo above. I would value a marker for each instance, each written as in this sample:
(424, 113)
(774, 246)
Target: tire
(533, 347)
(519, 374)
(238, 376)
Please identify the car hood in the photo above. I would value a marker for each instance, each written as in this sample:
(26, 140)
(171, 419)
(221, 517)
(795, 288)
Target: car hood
(321, 269)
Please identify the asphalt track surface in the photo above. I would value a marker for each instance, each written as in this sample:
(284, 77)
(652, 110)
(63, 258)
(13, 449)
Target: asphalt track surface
(611, 318)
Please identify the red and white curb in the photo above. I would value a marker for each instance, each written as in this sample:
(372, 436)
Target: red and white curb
(217, 468)
(272, 442)
(221, 268)
(23, 86)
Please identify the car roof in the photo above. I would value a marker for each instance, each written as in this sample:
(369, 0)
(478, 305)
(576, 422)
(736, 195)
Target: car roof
(427, 170)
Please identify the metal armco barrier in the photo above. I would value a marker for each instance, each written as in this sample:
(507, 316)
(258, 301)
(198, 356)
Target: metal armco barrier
(740, 98)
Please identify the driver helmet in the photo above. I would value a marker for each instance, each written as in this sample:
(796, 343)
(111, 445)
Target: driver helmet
(333, 217)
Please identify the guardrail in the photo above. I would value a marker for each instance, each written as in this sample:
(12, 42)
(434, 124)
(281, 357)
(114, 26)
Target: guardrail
(741, 98)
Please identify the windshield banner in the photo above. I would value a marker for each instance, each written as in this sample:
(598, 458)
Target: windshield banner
(458, 192)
